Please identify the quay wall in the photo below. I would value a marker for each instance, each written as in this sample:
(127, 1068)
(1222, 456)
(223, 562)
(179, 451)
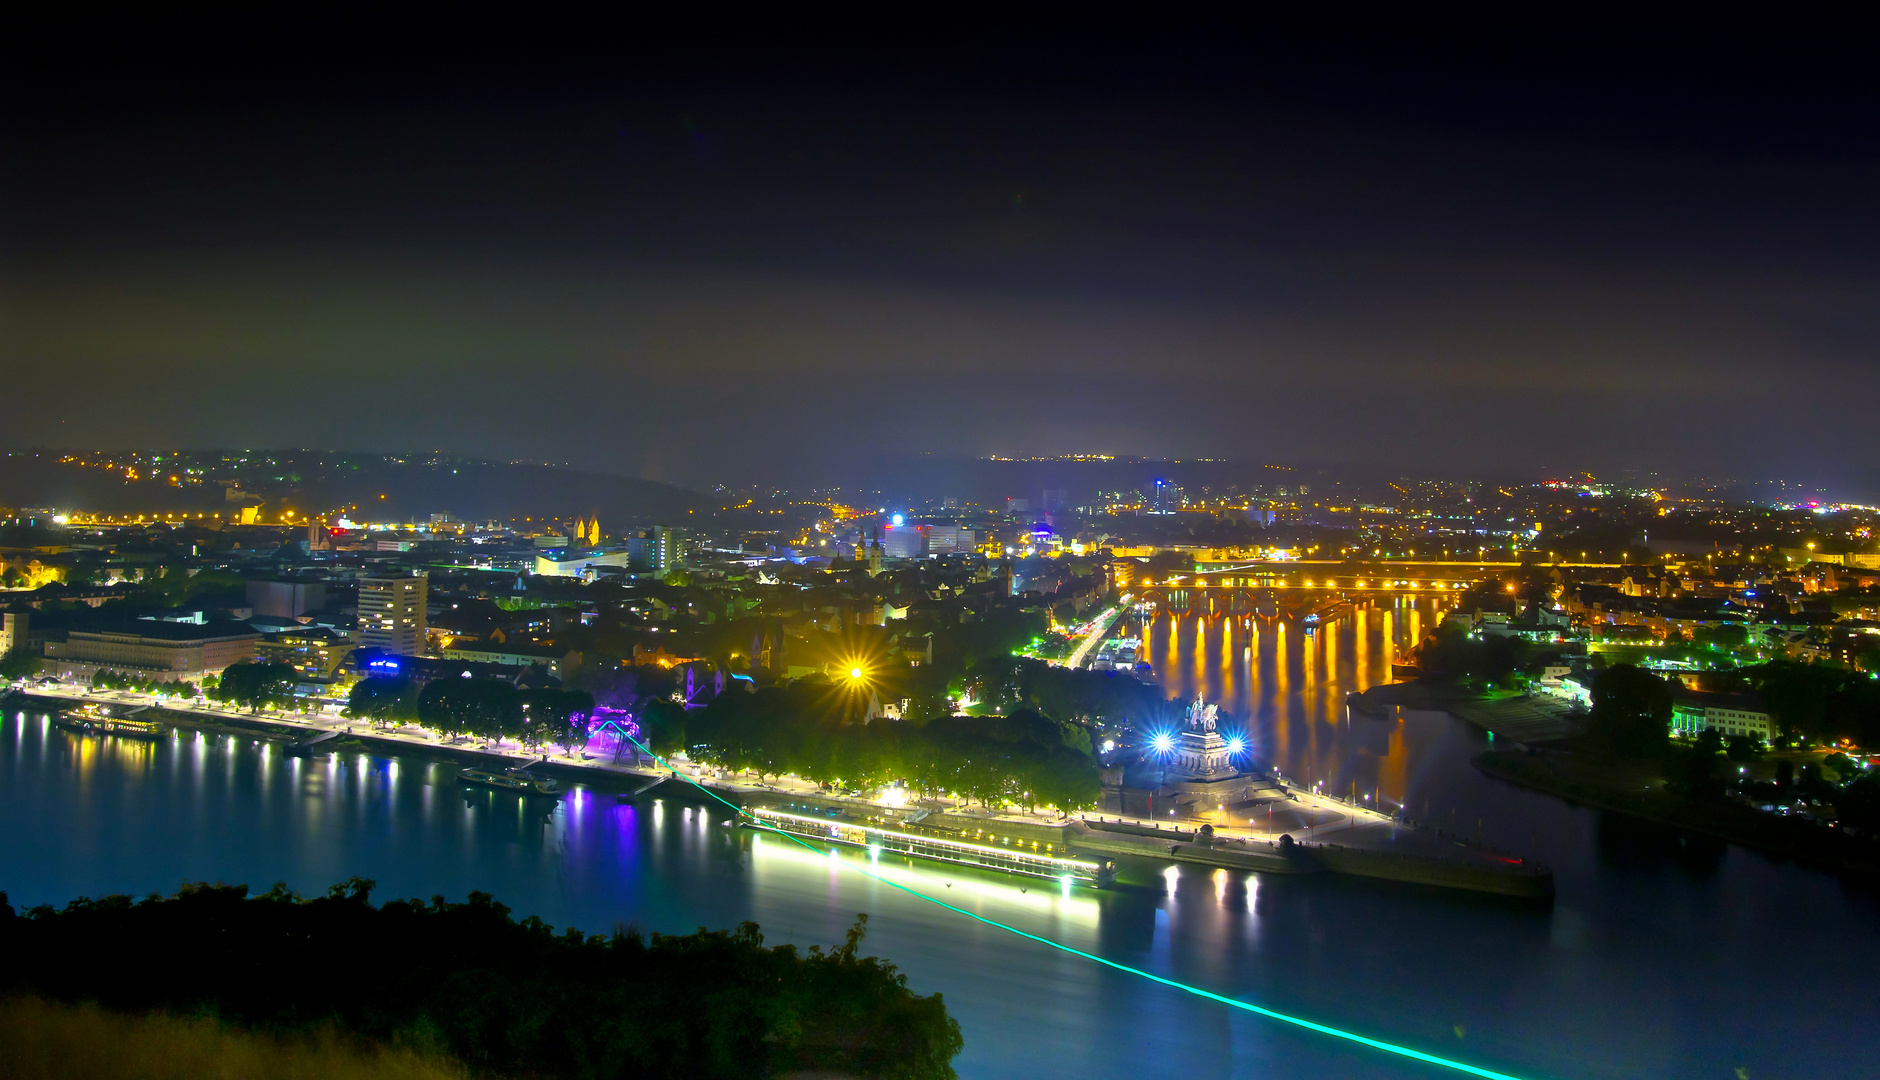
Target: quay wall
(1106, 839)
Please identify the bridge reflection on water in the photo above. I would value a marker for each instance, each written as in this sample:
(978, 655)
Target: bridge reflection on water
(1284, 682)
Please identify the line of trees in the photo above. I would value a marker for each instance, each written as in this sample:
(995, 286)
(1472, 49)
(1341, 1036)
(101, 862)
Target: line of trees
(254, 686)
(1819, 702)
(1024, 757)
(479, 708)
(140, 682)
(504, 997)
(1009, 683)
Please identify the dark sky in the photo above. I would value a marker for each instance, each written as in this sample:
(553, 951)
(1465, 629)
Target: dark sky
(690, 250)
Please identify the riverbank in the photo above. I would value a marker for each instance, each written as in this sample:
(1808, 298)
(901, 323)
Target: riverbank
(1633, 789)
(601, 775)
(1410, 857)
(1534, 719)
(1382, 850)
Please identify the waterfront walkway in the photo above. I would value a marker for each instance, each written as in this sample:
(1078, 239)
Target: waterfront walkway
(1313, 820)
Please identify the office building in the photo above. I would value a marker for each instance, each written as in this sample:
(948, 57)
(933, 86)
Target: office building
(392, 612)
(1693, 712)
(182, 649)
(904, 541)
(286, 599)
(1166, 498)
(658, 550)
(316, 653)
(666, 553)
(950, 538)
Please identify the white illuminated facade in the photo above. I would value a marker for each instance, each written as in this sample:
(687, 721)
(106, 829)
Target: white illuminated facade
(392, 613)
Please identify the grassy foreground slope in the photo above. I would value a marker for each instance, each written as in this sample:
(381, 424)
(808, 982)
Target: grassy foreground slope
(48, 1040)
(467, 982)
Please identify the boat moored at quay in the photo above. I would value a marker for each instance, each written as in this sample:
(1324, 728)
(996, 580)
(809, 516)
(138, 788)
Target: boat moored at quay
(95, 719)
(1009, 857)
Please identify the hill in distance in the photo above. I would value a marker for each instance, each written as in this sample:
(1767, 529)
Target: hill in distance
(367, 487)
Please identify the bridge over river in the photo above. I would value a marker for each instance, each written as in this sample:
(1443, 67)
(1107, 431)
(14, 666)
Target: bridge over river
(1295, 588)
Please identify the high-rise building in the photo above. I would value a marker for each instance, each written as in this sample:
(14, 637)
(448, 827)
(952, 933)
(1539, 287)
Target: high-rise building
(665, 549)
(658, 549)
(1166, 499)
(392, 612)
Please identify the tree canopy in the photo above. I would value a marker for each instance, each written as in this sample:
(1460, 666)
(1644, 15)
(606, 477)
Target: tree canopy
(383, 700)
(506, 997)
(17, 663)
(1025, 757)
(255, 686)
(1816, 701)
(495, 709)
(1631, 712)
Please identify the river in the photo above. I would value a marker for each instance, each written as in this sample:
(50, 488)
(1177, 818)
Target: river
(1659, 958)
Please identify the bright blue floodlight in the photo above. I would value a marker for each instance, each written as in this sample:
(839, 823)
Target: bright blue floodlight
(1236, 745)
(897, 519)
(1163, 743)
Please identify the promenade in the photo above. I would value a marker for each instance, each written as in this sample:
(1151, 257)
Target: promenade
(1332, 834)
(1312, 815)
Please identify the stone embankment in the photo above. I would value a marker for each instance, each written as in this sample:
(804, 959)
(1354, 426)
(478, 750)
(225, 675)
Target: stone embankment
(1437, 862)
(1426, 861)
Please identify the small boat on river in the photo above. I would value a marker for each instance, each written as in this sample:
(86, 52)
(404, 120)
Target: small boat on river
(518, 779)
(95, 719)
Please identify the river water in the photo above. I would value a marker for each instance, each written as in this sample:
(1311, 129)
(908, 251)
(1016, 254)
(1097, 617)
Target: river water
(1658, 959)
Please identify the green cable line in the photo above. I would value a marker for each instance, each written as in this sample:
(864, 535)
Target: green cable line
(1296, 1021)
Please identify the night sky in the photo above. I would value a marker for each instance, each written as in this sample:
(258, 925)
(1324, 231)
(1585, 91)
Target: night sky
(693, 251)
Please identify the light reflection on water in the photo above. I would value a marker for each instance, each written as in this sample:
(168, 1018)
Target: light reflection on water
(1286, 685)
(1652, 963)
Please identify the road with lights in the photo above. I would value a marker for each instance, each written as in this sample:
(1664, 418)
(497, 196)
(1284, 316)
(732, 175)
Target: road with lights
(1100, 629)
